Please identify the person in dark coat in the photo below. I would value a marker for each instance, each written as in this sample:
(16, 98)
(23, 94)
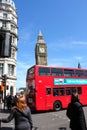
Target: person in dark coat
(21, 114)
(8, 102)
(76, 114)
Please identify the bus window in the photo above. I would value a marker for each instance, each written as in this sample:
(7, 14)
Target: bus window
(30, 71)
(68, 72)
(58, 91)
(44, 71)
(61, 91)
(56, 72)
(68, 91)
(48, 91)
(79, 72)
(73, 90)
(85, 72)
(55, 91)
(79, 90)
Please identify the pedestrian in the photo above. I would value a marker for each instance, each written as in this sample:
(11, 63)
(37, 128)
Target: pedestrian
(9, 99)
(21, 114)
(75, 113)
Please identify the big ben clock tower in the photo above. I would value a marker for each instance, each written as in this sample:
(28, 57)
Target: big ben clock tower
(41, 51)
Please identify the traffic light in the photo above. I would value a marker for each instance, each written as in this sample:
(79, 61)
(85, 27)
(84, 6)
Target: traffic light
(2, 86)
(3, 83)
(4, 80)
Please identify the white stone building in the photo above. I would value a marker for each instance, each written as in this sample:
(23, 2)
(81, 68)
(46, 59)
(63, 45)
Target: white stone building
(8, 45)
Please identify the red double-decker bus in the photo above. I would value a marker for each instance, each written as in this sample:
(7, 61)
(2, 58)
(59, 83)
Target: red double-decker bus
(50, 88)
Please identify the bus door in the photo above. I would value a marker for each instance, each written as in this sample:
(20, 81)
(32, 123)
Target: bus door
(48, 98)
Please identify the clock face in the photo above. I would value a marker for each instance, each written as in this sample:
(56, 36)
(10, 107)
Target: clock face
(42, 50)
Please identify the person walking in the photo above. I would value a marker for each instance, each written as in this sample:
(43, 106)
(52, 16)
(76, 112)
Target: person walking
(21, 114)
(76, 114)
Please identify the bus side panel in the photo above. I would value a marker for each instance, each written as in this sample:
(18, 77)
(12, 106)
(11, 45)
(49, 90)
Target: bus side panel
(64, 100)
(43, 101)
(40, 99)
(83, 96)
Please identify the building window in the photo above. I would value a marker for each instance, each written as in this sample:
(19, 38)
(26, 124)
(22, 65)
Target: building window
(12, 53)
(1, 68)
(4, 15)
(11, 69)
(13, 18)
(13, 40)
(4, 24)
(12, 27)
(11, 90)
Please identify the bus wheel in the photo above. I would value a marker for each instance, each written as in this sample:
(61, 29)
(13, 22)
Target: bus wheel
(57, 106)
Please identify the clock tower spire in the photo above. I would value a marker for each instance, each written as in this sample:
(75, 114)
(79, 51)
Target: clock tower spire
(41, 50)
(40, 36)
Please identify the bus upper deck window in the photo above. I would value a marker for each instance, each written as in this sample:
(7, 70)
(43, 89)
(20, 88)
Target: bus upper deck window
(85, 72)
(79, 72)
(44, 71)
(56, 72)
(68, 72)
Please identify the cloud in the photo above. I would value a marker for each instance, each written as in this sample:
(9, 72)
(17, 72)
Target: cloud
(21, 74)
(79, 58)
(79, 43)
(24, 36)
(66, 44)
(68, 61)
(60, 61)
(21, 65)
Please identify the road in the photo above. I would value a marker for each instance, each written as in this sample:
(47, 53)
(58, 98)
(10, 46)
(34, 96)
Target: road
(45, 120)
(53, 120)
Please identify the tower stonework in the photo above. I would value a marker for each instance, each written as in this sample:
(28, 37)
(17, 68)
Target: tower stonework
(41, 51)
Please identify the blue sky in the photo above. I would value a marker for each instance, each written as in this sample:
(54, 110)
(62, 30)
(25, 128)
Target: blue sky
(63, 24)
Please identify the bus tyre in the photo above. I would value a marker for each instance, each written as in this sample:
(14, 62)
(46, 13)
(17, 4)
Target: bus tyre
(57, 106)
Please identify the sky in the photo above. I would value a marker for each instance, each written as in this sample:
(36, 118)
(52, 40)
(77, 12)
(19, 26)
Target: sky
(63, 24)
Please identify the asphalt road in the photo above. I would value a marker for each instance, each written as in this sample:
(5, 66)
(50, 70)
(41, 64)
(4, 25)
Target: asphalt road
(53, 120)
(45, 120)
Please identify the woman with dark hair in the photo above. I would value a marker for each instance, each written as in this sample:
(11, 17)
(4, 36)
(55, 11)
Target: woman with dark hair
(76, 114)
(21, 114)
